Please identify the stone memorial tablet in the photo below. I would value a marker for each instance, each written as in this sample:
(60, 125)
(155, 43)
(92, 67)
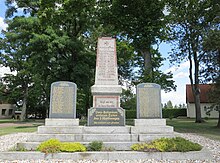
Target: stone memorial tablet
(63, 100)
(106, 62)
(107, 101)
(149, 101)
(106, 117)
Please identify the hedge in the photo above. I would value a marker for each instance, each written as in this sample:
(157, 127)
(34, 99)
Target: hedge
(130, 114)
(167, 113)
(173, 113)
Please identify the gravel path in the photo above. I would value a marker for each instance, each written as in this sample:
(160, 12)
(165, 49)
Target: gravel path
(8, 141)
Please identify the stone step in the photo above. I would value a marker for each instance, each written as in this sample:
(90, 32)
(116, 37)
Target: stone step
(132, 156)
(60, 130)
(150, 137)
(83, 129)
(150, 122)
(151, 129)
(118, 146)
(107, 129)
(61, 122)
(85, 137)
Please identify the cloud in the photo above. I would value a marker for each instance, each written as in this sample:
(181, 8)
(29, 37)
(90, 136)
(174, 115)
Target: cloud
(172, 69)
(181, 75)
(182, 66)
(176, 98)
(3, 25)
(5, 70)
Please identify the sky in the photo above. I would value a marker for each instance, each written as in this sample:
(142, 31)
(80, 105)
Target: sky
(180, 73)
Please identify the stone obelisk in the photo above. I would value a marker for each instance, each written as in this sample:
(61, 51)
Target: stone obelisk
(106, 91)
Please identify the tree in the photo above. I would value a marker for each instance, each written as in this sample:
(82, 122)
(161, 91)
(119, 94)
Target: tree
(141, 24)
(169, 105)
(141, 21)
(189, 22)
(215, 96)
(211, 69)
(47, 45)
(15, 55)
(128, 100)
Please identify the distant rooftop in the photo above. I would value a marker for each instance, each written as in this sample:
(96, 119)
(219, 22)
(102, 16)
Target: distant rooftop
(204, 93)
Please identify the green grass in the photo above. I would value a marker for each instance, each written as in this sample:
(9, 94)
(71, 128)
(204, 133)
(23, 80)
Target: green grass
(8, 120)
(27, 126)
(10, 130)
(207, 129)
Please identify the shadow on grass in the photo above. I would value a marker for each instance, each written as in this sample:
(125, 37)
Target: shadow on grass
(21, 127)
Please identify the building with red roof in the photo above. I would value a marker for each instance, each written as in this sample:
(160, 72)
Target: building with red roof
(205, 101)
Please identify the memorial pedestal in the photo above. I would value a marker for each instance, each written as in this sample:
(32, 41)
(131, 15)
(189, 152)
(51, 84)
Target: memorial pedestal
(117, 137)
(106, 96)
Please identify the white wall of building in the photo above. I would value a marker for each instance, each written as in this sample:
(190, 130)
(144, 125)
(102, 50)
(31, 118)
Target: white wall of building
(191, 113)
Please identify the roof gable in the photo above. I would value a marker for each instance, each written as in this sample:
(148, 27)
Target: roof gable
(204, 93)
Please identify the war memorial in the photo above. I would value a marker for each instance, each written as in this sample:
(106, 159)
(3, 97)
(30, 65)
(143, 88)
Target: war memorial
(106, 119)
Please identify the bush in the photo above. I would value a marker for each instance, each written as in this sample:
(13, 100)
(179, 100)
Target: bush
(50, 146)
(54, 146)
(183, 145)
(144, 147)
(164, 144)
(177, 144)
(95, 146)
(130, 114)
(173, 113)
(167, 113)
(72, 147)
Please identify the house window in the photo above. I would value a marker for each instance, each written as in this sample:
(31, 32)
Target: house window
(10, 111)
(3, 111)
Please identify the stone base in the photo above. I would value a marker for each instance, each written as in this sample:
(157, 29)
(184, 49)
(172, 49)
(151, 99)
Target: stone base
(146, 126)
(117, 137)
(150, 122)
(61, 122)
(133, 156)
(106, 96)
(106, 89)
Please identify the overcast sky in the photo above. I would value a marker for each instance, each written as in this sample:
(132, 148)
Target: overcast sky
(180, 73)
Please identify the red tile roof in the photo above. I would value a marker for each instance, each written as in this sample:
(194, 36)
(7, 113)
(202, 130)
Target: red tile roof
(204, 91)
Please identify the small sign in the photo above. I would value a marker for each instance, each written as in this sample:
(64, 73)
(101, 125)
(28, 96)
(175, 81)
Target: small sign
(106, 117)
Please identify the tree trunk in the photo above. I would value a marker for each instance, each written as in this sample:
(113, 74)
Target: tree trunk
(24, 107)
(218, 125)
(197, 104)
(147, 60)
(195, 87)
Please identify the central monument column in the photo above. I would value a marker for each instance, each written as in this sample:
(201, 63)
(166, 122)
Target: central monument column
(106, 92)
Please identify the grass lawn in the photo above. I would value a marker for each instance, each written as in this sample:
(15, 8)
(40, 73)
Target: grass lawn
(207, 129)
(9, 126)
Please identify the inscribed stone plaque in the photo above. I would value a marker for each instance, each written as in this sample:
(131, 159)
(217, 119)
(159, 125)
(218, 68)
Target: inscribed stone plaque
(106, 117)
(63, 100)
(106, 101)
(149, 101)
(106, 62)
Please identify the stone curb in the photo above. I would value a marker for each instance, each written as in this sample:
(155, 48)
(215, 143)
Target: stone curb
(204, 154)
